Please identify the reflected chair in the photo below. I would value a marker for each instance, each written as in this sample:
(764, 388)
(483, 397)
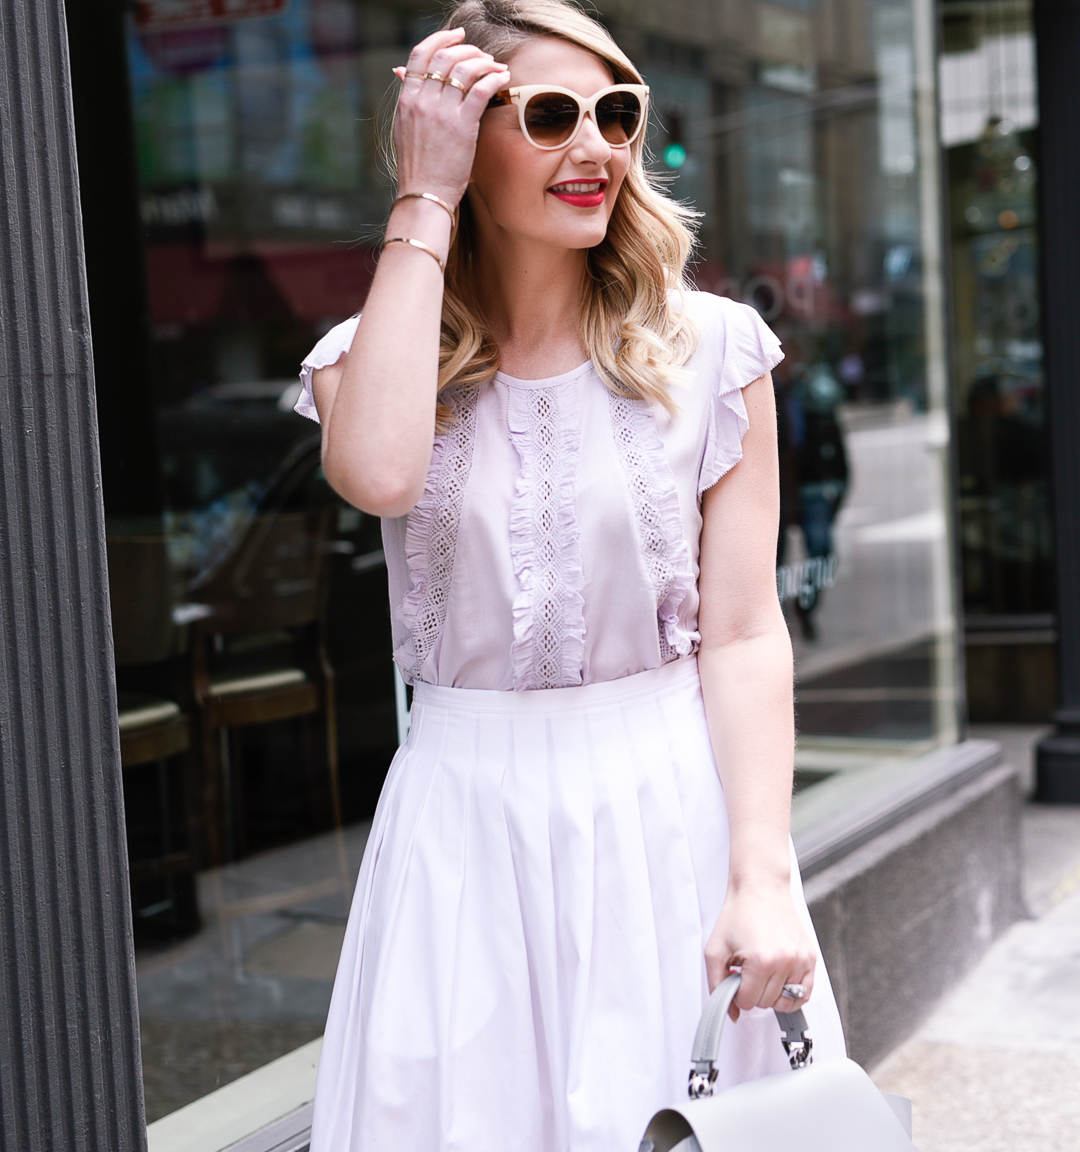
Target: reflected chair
(154, 728)
(258, 657)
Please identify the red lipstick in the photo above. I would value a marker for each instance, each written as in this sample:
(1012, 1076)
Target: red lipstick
(580, 193)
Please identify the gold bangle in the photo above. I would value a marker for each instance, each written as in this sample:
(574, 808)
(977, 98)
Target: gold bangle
(451, 212)
(416, 244)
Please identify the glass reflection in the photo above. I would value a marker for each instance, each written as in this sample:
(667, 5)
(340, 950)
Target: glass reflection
(258, 184)
(818, 221)
(989, 118)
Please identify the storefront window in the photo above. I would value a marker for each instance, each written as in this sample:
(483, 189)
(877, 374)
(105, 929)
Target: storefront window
(989, 116)
(806, 135)
(260, 196)
(816, 166)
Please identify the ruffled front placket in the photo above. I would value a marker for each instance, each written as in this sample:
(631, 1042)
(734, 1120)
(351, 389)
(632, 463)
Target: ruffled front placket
(545, 548)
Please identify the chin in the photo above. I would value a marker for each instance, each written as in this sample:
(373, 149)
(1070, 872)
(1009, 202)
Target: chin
(584, 235)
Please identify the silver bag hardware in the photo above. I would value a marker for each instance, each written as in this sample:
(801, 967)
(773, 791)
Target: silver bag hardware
(832, 1106)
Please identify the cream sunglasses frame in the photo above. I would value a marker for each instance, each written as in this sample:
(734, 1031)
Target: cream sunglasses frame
(586, 107)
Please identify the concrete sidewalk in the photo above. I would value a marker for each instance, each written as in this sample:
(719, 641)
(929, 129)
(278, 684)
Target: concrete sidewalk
(997, 1066)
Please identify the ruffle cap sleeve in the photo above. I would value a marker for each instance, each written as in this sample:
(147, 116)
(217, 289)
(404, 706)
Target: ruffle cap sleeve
(745, 348)
(329, 350)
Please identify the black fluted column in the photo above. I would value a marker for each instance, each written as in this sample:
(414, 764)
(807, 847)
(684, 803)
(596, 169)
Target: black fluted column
(69, 1052)
(1057, 31)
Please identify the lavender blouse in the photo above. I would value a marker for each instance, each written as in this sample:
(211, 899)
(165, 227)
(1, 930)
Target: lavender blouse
(557, 539)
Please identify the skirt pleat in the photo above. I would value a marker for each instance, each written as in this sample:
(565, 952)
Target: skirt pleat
(523, 966)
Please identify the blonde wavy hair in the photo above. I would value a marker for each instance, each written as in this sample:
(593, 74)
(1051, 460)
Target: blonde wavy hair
(638, 342)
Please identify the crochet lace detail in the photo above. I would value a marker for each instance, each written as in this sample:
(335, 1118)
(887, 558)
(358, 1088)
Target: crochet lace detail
(655, 500)
(549, 621)
(431, 535)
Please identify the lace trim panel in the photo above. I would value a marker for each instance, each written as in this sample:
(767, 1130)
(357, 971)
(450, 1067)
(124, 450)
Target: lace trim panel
(431, 534)
(656, 509)
(549, 621)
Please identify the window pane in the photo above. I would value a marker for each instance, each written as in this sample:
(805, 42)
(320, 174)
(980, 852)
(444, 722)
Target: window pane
(989, 117)
(814, 159)
(260, 196)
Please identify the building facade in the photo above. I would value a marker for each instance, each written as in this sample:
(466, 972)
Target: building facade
(222, 174)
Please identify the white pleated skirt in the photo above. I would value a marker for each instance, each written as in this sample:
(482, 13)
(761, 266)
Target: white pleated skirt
(523, 968)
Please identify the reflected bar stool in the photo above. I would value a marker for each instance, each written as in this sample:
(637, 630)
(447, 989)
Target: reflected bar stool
(154, 727)
(259, 655)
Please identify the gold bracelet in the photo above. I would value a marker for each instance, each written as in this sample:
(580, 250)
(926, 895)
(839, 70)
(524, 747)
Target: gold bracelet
(416, 244)
(428, 196)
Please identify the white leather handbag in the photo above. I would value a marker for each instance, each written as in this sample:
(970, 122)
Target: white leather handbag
(832, 1106)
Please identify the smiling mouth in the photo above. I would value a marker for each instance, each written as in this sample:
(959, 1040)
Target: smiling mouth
(580, 193)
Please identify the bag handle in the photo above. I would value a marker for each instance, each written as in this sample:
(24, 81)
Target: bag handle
(797, 1044)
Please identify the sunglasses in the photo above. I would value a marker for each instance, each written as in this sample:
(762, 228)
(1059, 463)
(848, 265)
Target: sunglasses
(551, 117)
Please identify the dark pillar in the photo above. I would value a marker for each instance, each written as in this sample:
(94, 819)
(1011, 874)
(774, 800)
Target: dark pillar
(69, 1047)
(115, 266)
(1057, 31)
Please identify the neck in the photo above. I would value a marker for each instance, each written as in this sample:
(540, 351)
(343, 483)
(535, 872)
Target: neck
(531, 296)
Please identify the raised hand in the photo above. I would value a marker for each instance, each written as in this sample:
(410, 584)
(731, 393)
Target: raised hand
(438, 118)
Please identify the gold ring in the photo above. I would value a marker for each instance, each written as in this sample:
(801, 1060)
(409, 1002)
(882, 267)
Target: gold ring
(416, 75)
(436, 76)
(456, 84)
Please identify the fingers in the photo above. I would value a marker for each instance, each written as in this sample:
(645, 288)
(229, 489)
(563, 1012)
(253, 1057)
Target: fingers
(469, 72)
(439, 54)
(445, 54)
(764, 980)
(484, 87)
(420, 57)
(788, 1003)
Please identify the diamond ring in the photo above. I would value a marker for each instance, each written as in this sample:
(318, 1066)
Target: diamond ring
(794, 991)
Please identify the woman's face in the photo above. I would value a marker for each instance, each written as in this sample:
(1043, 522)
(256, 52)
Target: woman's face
(520, 189)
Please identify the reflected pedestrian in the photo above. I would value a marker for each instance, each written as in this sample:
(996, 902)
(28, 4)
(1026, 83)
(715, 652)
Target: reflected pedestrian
(821, 465)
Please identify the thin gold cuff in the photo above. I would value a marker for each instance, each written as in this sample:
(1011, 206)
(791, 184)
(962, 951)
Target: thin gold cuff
(429, 196)
(416, 244)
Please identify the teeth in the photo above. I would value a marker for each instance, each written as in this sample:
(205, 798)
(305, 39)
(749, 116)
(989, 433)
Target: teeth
(579, 189)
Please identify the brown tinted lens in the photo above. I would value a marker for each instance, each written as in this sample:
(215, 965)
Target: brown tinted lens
(551, 117)
(618, 116)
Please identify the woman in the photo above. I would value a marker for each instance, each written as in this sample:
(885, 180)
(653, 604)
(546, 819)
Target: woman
(575, 462)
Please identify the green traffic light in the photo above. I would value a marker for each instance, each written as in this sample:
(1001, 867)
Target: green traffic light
(674, 155)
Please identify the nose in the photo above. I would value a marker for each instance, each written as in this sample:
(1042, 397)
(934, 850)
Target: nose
(589, 145)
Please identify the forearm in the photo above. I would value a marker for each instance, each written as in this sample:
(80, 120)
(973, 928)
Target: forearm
(747, 687)
(380, 425)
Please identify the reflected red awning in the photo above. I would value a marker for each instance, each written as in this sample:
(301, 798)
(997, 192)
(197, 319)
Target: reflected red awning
(189, 287)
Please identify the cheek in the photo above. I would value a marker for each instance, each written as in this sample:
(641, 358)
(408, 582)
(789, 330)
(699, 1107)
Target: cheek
(510, 176)
(619, 167)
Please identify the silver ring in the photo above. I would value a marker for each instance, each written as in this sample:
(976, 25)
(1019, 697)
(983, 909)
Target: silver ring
(794, 991)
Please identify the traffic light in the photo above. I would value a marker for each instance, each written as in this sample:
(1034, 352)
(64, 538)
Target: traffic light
(674, 149)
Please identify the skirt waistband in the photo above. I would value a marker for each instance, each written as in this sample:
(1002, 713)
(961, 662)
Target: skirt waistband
(670, 677)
